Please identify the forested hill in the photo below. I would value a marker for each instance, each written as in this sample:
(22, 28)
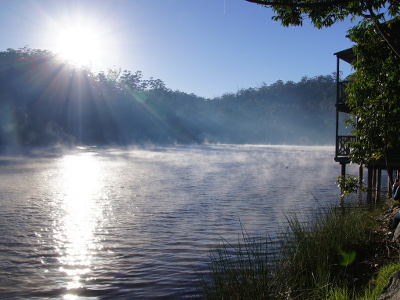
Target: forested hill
(44, 100)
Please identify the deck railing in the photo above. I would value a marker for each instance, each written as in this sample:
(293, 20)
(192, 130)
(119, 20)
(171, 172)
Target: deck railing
(343, 148)
(342, 95)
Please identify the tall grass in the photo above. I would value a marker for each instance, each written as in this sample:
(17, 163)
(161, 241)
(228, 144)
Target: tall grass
(314, 259)
(244, 270)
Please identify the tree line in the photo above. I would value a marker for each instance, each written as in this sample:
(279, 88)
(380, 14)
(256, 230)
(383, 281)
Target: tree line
(45, 100)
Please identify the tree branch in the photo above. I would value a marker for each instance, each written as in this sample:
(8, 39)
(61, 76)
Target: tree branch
(300, 4)
(382, 32)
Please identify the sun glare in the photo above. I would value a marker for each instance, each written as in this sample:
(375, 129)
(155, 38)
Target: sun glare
(82, 37)
(79, 218)
(78, 40)
(80, 45)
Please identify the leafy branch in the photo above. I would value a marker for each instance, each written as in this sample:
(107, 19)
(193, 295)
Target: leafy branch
(348, 184)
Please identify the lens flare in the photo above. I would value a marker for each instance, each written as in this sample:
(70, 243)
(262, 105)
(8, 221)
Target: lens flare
(347, 258)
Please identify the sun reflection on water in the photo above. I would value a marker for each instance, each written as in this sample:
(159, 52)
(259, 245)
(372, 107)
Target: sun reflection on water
(80, 214)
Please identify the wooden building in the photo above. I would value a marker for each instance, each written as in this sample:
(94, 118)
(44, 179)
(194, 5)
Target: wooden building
(343, 136)
(342, 150)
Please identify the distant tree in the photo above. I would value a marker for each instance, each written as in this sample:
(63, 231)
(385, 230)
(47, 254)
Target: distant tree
(155, 84)
(132, 82)
(325, 13)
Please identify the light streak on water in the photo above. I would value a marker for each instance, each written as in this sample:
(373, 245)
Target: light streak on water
(137, 223)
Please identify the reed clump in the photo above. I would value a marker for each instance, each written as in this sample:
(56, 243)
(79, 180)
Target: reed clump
(316, 258)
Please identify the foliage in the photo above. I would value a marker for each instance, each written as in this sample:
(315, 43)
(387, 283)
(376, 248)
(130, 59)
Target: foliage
(374, 95)
(335, 293)
(310, 261)
(44, 100)
(348, 184)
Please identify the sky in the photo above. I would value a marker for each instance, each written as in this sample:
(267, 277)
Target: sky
(204, 47)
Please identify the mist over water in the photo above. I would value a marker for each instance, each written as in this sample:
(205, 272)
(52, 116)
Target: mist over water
(136, 223)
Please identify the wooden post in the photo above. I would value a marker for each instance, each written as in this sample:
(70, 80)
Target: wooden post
(360, 175)
(378, 186)
(390, 175)
(343, 169)
(342, 173)
(369, 186)
(373, 186)
(360, 184)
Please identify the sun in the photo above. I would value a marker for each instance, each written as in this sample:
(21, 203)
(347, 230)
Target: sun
(82, 37)
(80, 45)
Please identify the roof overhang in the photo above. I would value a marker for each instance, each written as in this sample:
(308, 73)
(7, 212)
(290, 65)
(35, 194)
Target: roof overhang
(346, 55)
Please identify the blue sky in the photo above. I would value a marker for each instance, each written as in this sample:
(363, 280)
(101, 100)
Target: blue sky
(205, 47)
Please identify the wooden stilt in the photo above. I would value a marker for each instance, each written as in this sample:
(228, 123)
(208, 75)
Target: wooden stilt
(373, 186)
(342, 173)
(360, 184)
(369, 185)
(391, 178)
(378, 186)
(360, 175)
(343, 169)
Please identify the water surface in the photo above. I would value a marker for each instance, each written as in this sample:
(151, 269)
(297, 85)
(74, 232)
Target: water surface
(136, 223)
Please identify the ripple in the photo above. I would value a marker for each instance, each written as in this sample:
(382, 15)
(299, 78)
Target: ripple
(125, 224)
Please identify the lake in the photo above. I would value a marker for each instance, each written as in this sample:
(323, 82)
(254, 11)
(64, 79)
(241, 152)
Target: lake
(120, 223)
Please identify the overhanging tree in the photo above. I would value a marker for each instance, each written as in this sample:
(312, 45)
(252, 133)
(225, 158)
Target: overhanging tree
(374, 95)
